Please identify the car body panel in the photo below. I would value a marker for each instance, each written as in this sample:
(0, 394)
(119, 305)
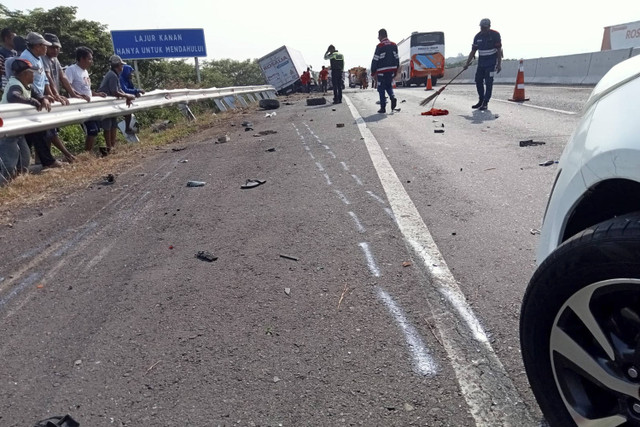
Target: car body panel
(605, 145)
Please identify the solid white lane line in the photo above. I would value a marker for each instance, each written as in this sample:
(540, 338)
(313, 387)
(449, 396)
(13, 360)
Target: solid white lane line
(484, 383)
(424, 363)
(371, 262)
(359, 225)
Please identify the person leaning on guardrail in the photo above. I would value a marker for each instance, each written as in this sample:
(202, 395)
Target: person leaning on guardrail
(78, 76)
(56, 77)
(126, 83)
(7, 50)
(111, 87)
(36, 48)
(15, 155)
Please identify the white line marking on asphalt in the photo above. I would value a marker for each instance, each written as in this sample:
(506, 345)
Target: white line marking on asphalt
(76, 238)
(423, 360)
(376, 197)
(306, 147)
(344, 166)
(312, 156)
(326, 147)
(489, 392)
(332, 154)
(320, 167)
(96, 259)
(357, 179)
(342, 197)
(326, 176)
(570, 113)
(371, 262)
(359, 225)
(30, 280)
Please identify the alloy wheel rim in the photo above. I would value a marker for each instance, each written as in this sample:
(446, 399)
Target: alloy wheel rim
(595, 353)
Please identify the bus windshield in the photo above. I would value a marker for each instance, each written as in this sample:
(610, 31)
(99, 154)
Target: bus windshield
(427, 39)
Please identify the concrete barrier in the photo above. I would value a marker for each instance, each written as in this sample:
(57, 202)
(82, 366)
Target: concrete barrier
(582, 69)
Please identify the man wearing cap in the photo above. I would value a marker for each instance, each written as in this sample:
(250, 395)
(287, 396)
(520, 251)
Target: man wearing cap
(488, 44)
(78, 76)
(15, 155)
(56, 76)
(7, 50)
(36, 49)
(111, 87)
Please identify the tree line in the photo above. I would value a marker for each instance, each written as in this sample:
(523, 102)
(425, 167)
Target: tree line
(154, 73)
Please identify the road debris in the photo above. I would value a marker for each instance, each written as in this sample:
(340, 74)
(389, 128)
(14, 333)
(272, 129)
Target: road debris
(247, 124)
(184, 161)
(58, 421)
(251, 183)
(435, 112)
(438, 131)
(406, 264)
(270, 150)
(178, 148)
(206, 256)
(152, 366)
(287, 291)
(530, 142)
(270, 114)
(266, 132)
(292, 258)
(534, 231)
(223, 139)
(339, 125)
(548, 163)
(196, 184)
(344, 292)
(108, 180)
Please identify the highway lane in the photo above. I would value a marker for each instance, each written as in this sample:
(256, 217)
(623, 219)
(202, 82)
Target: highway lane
(106, 313)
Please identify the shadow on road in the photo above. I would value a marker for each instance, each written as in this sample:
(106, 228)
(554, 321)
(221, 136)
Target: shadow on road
(374, 118)
(479, 117)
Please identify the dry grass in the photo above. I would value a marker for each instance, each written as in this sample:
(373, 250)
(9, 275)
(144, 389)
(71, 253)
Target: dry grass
(47, 187)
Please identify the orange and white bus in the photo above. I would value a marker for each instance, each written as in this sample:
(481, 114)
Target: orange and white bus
(421, 54)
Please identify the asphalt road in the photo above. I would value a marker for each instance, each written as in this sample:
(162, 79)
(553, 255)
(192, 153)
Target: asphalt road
(374, 279)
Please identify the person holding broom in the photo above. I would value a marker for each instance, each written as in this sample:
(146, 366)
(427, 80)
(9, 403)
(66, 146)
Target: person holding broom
(488, 44)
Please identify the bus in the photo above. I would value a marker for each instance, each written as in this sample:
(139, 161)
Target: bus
(421, 54)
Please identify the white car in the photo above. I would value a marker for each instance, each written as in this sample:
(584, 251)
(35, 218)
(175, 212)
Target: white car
(580, 317)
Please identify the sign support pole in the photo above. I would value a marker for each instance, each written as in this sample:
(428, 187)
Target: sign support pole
(199, 80)
(135, 67)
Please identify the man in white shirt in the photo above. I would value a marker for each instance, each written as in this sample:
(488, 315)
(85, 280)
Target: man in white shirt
(78, 76)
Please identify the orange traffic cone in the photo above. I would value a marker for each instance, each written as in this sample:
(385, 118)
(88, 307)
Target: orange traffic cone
(429, 87)
(518, 91)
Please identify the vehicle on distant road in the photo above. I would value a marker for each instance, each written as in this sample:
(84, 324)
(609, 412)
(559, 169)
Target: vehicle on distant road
(580, 317)
(421, 54)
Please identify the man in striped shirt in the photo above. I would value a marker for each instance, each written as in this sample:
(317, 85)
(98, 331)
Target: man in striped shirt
(488, 44)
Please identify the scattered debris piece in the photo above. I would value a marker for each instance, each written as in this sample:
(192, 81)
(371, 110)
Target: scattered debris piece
(178, 148)
(184, 161)
(247, 124)
(270, 114)
(287, 291)
(292, 258)
(530, 142)
(160, 126)
(438, 131)
(408, 407)
(344, 292)
(534, 231)
(276, 380)
(108, 180)
(548, 163)
(223, 139)
(317, 101)
(267, 132)
(247, 129)
(339, 125)
(251, 183)
(490, 169)
(404, 100)
(333, 109)
(206, 256)
(435, 112)
(406, 264)
(196, 184)
(59, 421)
(271, 150)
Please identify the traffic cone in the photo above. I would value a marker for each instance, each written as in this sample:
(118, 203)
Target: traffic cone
(518, 91)
(429, 87)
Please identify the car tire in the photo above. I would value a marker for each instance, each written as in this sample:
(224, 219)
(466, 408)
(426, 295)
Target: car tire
(269, 104)
(582, 307)
(316, 101)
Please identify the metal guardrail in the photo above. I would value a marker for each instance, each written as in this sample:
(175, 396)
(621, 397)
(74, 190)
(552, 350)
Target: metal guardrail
(19, 119)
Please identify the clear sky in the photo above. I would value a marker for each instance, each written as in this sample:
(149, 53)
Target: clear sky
(248, 29)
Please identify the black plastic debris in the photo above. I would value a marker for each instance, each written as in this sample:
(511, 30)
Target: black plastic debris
(206, 256)
(438, 131)
(178, 148)
(339, 125)
(271, 150)
(251, 183)
(267, 132)
(530, 142)
(108, 180)
(196, 184)
(59, 421)
(292, 258)
(548, 163)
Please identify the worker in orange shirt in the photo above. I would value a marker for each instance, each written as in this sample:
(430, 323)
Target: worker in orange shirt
(305, 78)
(324, 79)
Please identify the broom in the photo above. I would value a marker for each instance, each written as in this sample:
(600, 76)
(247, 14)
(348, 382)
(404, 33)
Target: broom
(439, 91)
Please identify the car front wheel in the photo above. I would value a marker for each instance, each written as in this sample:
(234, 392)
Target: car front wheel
(580, 328)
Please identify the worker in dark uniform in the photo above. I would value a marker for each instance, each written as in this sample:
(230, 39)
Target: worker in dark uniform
(337, 67)
(488, 44)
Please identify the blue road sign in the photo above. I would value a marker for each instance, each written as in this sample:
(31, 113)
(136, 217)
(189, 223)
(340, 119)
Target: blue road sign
(153, 44)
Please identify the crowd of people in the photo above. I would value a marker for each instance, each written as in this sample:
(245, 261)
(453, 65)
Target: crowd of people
(32, 75)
